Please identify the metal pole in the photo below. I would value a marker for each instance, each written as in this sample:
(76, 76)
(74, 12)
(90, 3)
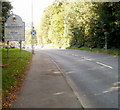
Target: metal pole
(8, 52)
(106, 33)
(20, 48)
(32, 44)
(106, 40)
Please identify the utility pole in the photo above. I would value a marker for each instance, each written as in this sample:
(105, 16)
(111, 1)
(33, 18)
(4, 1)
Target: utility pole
(32, 40)
(106, 33)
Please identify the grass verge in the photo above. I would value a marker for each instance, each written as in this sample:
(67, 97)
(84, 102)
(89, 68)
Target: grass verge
(13, 72)
(108, 51)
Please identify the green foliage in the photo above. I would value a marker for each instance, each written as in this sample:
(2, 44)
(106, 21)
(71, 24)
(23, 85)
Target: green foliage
(15, 66)
(28, 37)
(109, 14)
(81, 24)
(109, 51)
(6, 7)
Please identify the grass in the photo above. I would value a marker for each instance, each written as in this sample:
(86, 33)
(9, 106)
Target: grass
(108, 51)
(14, 67)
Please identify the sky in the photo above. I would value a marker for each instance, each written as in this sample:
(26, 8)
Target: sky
(23, 8)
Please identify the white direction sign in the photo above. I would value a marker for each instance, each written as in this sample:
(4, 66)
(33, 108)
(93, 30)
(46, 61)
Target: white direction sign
(14, 29)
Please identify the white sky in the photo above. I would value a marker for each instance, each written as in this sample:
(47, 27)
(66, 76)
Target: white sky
(23, 8)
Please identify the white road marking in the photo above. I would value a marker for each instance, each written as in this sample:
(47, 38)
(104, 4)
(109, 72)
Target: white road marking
(58, 93)
(104, 65)
(88, 59)
(76, 55)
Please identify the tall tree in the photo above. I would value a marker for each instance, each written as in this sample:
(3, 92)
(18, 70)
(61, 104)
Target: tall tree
(5, 12)
(80, 24)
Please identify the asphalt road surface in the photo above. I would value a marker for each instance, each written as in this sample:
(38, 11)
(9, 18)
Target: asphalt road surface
(94, 75)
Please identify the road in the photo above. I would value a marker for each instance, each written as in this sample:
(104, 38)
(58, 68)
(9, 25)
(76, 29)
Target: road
(93, 75)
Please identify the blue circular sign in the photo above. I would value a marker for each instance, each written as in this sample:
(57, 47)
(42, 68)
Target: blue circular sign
(33, 32)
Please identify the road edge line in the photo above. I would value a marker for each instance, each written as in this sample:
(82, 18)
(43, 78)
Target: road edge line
(70, 83)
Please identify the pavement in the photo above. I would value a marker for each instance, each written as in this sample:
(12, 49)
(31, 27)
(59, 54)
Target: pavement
(45, 86)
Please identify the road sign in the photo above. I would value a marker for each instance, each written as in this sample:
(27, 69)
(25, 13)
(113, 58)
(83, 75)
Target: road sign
(14, 29)
(33, 32)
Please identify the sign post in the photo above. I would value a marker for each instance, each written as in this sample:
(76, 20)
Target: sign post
(8, 52)
(106, 33)
(33, 33)
(15, 29)
(20, 48)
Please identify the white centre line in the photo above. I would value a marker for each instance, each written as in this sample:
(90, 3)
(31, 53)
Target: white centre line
(105, 65)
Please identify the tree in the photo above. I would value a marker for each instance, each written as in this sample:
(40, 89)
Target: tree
(6, 7)
(108, 13)
(80, 24)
